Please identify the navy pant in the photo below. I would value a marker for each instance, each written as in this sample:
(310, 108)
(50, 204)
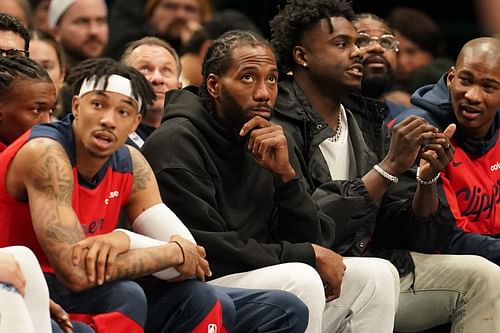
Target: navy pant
(171, 309)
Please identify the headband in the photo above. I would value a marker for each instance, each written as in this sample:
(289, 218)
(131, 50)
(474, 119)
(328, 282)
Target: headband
(116, 83)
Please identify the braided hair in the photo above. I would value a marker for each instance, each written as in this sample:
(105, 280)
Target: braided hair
(105, 67)
(218, 57)
(10, 23)
(293, 21)
(17, 68)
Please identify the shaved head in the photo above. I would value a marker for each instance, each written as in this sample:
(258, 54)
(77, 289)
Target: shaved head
(485, 49)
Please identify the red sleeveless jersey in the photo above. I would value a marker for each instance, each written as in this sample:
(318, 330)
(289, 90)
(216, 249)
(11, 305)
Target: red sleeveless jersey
(97, 206)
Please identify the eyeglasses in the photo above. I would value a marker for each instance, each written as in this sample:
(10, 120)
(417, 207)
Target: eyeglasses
(14, 52)
(388, 42)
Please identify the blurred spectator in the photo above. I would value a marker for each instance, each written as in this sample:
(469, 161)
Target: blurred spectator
(39, 18)
(20, 9)
(46, 51)
(196, 47)
(489, 16)
(81, 27)
(171, 20)
(420, 42)
(14, 38)
(160, 64)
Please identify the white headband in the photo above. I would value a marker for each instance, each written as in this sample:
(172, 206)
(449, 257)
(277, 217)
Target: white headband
(116, 83)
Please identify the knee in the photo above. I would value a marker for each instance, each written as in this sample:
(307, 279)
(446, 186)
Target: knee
(376, 277)
(295, 312)
(128, 297)
(302, 280)
(482, 275)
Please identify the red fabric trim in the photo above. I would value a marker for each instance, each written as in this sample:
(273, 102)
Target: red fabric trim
(212, 323)
(110, 322)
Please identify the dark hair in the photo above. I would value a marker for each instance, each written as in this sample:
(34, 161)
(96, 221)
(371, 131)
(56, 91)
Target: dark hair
(10, 23)
(105, 67)
(419, 28)
(20, 68)
(218, 57)
(293, 21)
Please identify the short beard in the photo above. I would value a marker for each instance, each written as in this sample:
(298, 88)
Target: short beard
(375, 86)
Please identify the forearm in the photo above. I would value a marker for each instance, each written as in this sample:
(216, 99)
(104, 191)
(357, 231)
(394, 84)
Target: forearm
(375, 184)
(129, 265)
(425, 202)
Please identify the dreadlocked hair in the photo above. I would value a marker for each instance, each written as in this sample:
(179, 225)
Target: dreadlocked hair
(105, 67)
(293, 22)
(218, 57)
(17, 68)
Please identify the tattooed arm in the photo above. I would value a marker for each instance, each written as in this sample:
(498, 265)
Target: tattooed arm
(41, 174)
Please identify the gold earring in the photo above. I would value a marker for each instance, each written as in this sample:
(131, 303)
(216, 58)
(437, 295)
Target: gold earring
(304, 65)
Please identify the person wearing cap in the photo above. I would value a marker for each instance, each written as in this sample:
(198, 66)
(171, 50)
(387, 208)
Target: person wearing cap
(81, 27)
(63, 186)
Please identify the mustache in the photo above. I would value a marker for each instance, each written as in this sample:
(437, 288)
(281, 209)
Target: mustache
(375, 58)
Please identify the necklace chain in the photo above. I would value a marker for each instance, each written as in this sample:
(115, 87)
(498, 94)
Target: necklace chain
(338, 130)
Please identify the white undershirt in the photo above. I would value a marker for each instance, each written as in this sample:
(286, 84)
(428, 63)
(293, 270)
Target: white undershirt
(336, 153)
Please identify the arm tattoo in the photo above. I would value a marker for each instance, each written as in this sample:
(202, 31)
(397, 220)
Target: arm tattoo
(142, 174)
(52, 179)
(64, 234)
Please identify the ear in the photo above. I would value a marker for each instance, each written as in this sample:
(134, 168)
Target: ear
(137, 121)
(300, 56)
(450, 76)
(213, 85)
(75, 106)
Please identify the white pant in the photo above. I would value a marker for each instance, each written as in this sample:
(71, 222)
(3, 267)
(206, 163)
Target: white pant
(367, 302)
(461, 287)
(31, 313)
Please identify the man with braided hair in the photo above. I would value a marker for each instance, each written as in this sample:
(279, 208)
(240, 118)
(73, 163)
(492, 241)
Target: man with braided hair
(224, 169)
(61, 189)
(31, 97)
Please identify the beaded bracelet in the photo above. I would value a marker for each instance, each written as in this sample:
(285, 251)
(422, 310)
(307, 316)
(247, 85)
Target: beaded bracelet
(385, 174)
(426, 182)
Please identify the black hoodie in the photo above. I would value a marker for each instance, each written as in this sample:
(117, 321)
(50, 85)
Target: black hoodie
(233, 208)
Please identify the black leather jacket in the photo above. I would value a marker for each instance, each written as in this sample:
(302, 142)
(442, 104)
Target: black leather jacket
(387, 229)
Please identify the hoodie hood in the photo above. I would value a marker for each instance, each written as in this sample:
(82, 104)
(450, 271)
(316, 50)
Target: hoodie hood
(184, 103)
(433, 102)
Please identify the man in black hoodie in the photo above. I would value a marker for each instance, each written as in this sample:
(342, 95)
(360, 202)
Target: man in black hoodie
(469, 95)
(224, 169)
(359, 177)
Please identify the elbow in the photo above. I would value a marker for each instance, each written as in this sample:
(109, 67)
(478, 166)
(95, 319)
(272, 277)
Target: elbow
(74, 282)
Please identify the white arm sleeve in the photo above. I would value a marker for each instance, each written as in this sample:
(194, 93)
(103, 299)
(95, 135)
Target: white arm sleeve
(154, 227)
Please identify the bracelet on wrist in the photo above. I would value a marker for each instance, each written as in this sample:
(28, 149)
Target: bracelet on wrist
(182, 251)
(385, 174)
(426, 182)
